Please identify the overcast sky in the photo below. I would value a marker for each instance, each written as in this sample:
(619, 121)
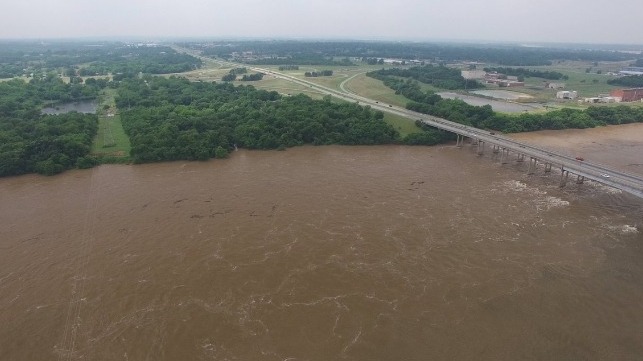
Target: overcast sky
(585, 21)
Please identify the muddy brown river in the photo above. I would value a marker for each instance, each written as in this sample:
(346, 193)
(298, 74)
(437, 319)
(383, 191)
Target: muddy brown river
(321, 253)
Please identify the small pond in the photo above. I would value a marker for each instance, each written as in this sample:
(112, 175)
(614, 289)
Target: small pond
(497, 105)
(87, 107)
(502, 94)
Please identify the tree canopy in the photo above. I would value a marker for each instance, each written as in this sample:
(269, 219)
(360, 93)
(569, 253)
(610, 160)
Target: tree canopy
(438, 76)
(169, 119)
(287, 52)
(631, 81)
(527, 73)
(34, 142)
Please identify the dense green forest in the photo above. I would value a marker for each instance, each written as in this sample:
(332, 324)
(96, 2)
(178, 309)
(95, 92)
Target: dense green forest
(527, 73)
(141, 59)
(173, 118)
(438, 76)
(47, 144)
(484, 117)
(170, 119)
(632, 81)
(90, 59)
(326, 52)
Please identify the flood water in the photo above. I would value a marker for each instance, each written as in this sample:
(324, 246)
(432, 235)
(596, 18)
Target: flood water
(617, 146)
(319, 253)
(87, 107)
(496, 105)
(502, 94)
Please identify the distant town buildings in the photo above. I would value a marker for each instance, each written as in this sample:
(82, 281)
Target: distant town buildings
(473, 74)
(510, 83)
(566, 94)
(601, 98)
(556, 85)
(503, 80)
(632, 70)
(627, 95)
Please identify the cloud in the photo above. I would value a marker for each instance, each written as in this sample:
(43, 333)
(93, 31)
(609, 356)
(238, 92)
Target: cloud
(493, 20)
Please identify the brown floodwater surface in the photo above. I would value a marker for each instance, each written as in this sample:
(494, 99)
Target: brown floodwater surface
(619, 147)
(319, 253)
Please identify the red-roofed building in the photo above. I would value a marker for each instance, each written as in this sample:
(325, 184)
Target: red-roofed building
(628, 95)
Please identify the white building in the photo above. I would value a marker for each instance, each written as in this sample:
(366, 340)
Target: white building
(600, 99)
(473, 74)
(566, 94)
(556, 85)
(632, 70)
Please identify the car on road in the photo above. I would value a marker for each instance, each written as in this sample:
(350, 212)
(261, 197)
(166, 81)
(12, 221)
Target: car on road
(605, 175)
(580, 158)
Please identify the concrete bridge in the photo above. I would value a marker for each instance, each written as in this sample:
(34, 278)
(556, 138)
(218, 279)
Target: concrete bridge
(581, 170)
(506, 147)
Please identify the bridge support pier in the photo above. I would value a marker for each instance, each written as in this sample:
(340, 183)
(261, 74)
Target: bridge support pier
(496, 149)
(459, 141)
(521, 158)
(580, 179)
(532, 165)
(564, 175)
(480, 147)
(504, 156)
(547, 167)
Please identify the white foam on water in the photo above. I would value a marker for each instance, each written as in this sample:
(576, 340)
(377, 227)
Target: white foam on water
(555, 202)
(624, 229)
(518, 186)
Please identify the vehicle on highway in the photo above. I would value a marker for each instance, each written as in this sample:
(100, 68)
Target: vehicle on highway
(580, 158)
(605, 175)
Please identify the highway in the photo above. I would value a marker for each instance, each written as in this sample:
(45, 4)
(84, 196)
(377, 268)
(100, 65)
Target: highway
(626, 182)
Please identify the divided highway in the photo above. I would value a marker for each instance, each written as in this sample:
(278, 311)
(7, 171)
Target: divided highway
(626, 182)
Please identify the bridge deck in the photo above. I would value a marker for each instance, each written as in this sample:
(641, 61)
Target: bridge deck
(624, 181)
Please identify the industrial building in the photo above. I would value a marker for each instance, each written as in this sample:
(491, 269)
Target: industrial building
(473, 74)
(627, 95)
(632, 70)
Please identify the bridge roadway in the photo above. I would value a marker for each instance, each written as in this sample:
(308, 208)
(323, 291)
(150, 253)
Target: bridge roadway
(588, 170)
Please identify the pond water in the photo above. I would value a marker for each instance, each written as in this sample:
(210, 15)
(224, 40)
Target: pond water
(502, 94)
(497, 105)
(87, 107)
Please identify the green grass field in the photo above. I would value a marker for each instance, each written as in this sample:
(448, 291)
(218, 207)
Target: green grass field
(360, 84)
(403, 125)
(375, 89)
(587, 84)
(111, 143)
(282, 86)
